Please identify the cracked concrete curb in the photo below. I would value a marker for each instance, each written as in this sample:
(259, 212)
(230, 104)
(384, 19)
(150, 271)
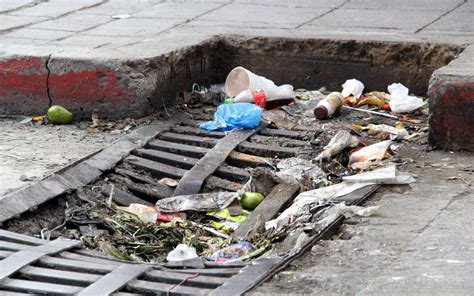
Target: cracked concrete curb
(112, 87)
(48, 75)
(451, 99)
(23, 84)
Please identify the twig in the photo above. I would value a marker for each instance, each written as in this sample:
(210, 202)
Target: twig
(66, 218)
(269, 163)
(371, 112)
(111, 195)
(211, 230)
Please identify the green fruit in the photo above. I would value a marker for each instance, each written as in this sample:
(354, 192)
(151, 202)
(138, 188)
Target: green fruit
(250, 200)
(59, 114)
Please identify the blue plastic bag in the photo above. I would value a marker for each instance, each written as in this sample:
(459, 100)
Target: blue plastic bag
(234, 116)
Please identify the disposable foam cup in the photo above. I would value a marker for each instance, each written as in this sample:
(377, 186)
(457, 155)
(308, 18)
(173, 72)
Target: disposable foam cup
(240, 79)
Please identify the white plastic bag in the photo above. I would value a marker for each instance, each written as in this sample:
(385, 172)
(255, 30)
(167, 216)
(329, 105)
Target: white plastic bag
(400, 101)
(352, 87)
(182, 252)
(363, 158)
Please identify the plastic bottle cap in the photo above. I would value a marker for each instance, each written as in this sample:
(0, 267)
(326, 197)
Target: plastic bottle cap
(321, 112)
(228, 101)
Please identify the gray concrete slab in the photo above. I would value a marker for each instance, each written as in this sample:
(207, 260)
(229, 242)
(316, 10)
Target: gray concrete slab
(420, 20)
(117, 7)
(39, 34)
(74, 22)
(55, 8)
(94, 42)
(296, 3)
(455, 22)
(262, 16)
(132, 27)
(35, 152)
(386, 19)
(9, 22)
(176, 10)
(9, 6)
(404, 5)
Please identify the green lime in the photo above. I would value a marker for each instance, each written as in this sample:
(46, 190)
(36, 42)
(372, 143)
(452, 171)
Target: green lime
(59, 114)
(250, 200)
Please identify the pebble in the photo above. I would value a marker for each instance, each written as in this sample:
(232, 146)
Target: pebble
(24, 178)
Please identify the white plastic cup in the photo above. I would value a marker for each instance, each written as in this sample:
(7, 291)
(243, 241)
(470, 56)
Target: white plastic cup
(240, 79)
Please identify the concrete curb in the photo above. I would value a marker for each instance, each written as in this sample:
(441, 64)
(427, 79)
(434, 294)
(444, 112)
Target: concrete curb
(451, 93)
(132, 88)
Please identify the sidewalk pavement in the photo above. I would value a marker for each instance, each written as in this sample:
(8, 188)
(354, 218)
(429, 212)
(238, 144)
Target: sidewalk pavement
(88, 29)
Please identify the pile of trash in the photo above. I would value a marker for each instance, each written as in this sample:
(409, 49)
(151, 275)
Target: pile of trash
(356, 143)
(365, 147)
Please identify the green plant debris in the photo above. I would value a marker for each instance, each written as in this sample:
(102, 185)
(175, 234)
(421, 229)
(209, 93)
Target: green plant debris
(136, 240)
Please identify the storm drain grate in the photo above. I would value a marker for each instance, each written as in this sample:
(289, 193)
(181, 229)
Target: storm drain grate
(177, 153)
(132, 169)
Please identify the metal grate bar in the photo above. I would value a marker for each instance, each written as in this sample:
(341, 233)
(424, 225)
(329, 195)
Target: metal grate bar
(115, 280)
(248, 277)
(18, 260)
(193, 179)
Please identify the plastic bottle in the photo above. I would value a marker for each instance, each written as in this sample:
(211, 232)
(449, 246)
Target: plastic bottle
(329, 105)
(276, 97)
(257, 97)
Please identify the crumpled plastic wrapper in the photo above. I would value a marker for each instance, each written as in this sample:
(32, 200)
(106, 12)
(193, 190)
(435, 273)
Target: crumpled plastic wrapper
(386, 175)
(352, 87)
(302, 203)
(301, 171)
(341, 140)
(350, 211)
(393, 132)
(367, 156)
(196, 202)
